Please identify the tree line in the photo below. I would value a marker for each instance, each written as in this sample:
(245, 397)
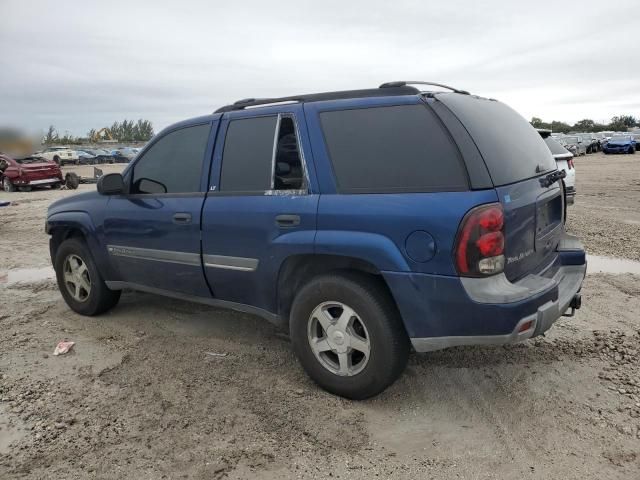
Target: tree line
(618, 123)
(125, 131)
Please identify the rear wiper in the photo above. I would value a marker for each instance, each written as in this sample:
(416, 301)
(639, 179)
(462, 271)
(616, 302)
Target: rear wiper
(553, 177)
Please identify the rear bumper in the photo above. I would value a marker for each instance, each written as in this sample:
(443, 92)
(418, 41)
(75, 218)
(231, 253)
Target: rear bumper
(570, 193)
(440, 312)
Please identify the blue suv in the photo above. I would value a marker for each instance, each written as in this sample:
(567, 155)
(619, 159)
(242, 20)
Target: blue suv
(365, 222)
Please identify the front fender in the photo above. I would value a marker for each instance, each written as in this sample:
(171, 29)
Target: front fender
(374, 248)
(82, 222)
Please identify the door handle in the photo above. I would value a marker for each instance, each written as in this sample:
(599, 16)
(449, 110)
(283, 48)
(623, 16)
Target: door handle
(181, 218)
(288, 220)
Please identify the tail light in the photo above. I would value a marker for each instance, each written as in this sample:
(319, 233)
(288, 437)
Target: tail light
(570, 163)
(479, 248)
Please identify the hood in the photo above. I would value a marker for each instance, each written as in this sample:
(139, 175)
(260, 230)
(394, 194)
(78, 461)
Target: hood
(618, 142)
(77, 203)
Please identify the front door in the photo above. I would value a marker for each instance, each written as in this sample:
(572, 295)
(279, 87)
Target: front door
(261, 206)
(153, 231)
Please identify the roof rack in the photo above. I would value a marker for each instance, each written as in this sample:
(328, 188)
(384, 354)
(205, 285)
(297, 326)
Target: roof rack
(318, 97)
(404, 83)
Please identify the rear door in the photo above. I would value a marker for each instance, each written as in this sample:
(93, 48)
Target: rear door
(153, 232)
(262, 203)
(518, 161)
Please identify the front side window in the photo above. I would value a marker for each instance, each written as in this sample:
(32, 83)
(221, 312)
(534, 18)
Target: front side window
(173, 164)
(262, 154)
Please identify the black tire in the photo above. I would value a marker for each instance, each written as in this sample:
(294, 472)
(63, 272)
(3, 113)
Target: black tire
(99, 299)
(57, 160)
(632, 150)
(71, 180)
(7, 186)
(374, 307)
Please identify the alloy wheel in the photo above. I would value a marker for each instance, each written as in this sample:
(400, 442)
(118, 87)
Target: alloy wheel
(76, 278)
(339, 338)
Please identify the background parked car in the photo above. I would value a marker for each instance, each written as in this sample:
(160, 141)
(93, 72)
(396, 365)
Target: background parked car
(123, 155)
(574, 144)
(564, 160)
(620, 144)
(85, 158)
(60, 155)
(100, 155)
(96, 155)
(591, 142)
(27, 172)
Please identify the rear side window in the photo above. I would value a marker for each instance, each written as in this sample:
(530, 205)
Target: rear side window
(512, 149)
(173, 164)
(392, 149)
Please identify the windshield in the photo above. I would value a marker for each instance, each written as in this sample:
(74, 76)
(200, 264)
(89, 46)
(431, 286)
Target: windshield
(620, 138)
(555, 147)
(512, 149)
(571, 139)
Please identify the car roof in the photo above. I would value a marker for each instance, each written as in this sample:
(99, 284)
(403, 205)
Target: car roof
(389, 89)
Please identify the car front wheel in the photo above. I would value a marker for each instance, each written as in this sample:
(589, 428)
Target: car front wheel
(7, 185)
(79, 280)
(348, 335)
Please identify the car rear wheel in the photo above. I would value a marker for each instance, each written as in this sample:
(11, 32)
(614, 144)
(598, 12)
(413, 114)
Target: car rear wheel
(632, 150)
(57, 160)
(79, 280)
(348, 335)
(7, 185)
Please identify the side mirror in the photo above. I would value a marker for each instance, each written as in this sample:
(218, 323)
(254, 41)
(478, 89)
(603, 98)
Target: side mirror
(110, 184)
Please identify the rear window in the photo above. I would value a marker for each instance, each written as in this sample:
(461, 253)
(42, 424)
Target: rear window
(555, 147)
(512, 149)
(391, 149)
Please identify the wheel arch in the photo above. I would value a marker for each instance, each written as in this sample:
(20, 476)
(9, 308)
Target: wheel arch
(64, 225)
(297, 270)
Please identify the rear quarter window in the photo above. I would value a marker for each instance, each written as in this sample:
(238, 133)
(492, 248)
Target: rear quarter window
(512, 149)
(392, 149)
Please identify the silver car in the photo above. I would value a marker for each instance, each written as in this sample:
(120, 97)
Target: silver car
(574, 143)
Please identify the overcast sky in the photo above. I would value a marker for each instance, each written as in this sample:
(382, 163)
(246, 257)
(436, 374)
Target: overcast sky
(82, 64)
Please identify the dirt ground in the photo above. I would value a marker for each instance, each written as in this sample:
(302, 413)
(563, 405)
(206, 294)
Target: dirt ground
(139, 397)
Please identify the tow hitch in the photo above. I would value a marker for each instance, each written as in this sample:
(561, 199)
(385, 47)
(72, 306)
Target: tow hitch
(576, 303)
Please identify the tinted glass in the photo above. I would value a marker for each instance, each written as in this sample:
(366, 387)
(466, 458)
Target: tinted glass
(173, 164)
(555, 147)
(391, 149)
(247, 155)
(289, 173)
(512, 149)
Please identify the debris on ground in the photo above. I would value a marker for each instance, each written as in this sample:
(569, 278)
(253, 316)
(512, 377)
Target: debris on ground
(63, 347)
(214, 354)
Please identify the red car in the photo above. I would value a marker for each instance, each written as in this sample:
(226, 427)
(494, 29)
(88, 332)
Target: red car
(27, 172)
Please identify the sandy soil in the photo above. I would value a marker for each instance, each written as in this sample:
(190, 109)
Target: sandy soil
(138, 396)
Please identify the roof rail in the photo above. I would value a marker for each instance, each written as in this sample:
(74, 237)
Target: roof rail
(404, 83)
(315, 97)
